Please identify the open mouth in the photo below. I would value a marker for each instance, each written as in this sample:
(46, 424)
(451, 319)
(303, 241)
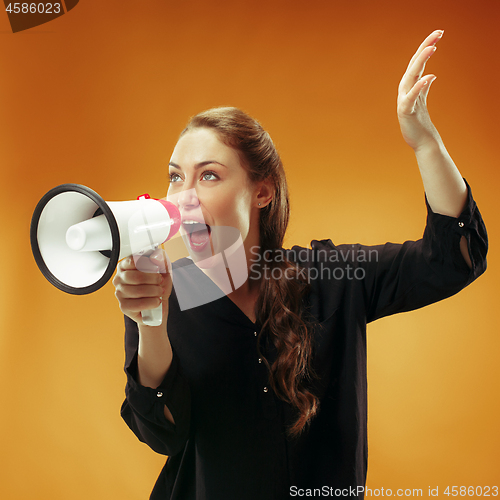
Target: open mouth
(197, 233)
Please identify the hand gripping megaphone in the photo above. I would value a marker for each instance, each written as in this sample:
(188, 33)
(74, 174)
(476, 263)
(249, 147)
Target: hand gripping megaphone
(77, 238)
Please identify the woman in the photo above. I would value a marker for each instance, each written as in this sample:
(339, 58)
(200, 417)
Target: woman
(261, 394)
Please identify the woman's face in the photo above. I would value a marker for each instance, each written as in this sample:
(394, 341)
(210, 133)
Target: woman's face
(212, 188)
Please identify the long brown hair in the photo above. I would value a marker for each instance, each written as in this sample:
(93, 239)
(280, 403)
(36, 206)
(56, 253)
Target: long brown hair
(280, 306)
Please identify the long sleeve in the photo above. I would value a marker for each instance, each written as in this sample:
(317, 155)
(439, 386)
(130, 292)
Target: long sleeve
(396, 277)
(143, 408)
(417, 273)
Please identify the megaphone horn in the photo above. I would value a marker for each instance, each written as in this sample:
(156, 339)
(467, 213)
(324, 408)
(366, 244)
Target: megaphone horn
(77, 238)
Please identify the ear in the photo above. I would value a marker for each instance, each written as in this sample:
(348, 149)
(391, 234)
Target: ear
(264, 193)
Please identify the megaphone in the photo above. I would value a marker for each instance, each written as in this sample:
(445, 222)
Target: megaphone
(77, 238)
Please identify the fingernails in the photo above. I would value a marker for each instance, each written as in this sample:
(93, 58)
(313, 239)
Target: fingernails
(439, 36)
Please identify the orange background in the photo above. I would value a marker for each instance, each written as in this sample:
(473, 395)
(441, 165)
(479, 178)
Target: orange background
(98, 97)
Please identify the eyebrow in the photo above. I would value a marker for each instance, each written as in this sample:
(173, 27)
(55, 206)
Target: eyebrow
(198, 165)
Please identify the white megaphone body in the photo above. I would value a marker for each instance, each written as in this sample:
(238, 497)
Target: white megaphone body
(77, 238)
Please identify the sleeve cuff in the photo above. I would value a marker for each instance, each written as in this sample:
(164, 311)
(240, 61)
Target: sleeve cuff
(148, 402)
(443, 234)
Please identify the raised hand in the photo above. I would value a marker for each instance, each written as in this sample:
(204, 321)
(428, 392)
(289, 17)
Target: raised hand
(414, 120)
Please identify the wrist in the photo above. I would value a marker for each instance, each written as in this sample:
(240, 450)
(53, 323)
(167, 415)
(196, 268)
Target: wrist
(152, 331)
(430, 153)
(432, 145)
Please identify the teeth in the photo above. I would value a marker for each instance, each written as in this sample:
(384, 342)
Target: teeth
(192, 222)
(193, 226)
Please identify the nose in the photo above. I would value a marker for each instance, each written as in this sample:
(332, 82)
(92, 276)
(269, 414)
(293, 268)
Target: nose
(188, 199)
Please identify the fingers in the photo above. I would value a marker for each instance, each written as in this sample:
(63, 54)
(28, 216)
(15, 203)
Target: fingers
(160, 259)
(138, 278)
(421, 88)
(412, 96)
(136, 285)
(426, 86)
(430, 41)
(142, 283)
(141, 263)
(414, 72)
(135, 306)
(136, 288)
(412, 82)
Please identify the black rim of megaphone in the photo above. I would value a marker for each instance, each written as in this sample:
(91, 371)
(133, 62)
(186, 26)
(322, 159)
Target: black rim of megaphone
(115, 252)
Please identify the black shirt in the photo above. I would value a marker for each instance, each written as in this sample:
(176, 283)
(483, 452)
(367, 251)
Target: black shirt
(229, 440)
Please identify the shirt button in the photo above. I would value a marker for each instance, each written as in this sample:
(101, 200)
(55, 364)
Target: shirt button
(159, 394)
(460, 224)
(265, 389)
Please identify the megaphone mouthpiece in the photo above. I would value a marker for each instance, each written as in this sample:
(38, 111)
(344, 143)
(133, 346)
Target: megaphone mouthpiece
(90, 235)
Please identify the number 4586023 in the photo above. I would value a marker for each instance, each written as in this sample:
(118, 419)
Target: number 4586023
(471, 491)
(34, 8)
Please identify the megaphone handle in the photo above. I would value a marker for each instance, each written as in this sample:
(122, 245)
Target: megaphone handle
(152, 317)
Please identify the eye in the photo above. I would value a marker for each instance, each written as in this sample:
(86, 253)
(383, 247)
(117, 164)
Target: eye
(209, 176)
(174, 177)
